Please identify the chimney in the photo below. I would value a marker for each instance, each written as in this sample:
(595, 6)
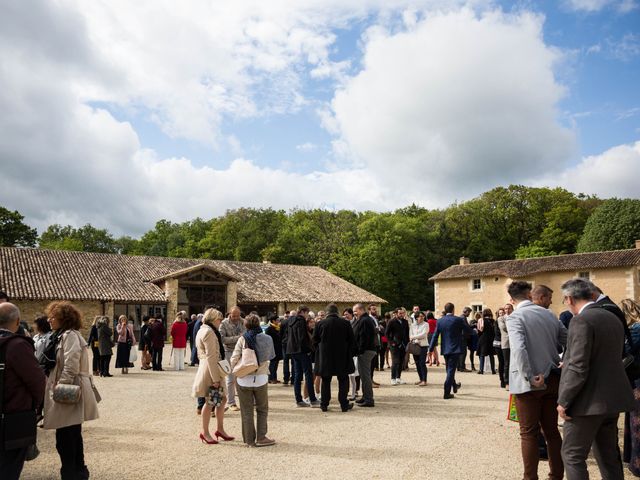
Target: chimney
(464, 261)
(638, 244)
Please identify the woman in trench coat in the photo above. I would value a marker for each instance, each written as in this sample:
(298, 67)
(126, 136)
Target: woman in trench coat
(209, 381)
(72, 368)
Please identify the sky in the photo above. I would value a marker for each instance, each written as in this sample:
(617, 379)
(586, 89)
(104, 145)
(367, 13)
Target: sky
(120, 113)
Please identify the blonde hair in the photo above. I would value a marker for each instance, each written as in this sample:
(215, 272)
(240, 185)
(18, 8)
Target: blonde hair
(211, 315)
(631, 311)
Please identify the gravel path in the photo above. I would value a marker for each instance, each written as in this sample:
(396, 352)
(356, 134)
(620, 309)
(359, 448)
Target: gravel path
(148, 429)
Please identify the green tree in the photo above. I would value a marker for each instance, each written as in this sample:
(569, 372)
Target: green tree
(14, 232)
(85, 239)
(614, 225)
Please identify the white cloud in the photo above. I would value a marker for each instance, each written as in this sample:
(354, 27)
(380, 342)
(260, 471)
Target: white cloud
(306, 147)
(587, 5)
(591, 6)
(459, 103)
(605, 175)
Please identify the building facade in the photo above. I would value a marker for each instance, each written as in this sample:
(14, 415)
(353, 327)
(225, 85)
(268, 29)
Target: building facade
(114, 285)
(484, 285)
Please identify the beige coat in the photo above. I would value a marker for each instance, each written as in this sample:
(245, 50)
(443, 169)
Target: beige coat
(72, 367)
(209, 372)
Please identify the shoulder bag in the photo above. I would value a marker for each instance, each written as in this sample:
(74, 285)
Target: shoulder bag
(17, 430)
(413, 348)
(248, 363)
(68, 393)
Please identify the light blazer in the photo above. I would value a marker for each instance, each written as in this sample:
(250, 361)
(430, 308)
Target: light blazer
(593, 380)
(534, 336)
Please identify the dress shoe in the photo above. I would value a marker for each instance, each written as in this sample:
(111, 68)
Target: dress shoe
(361, 400)
(204, 440)
(223, 436)
(456, 387)
(323, 408)
(448, 396)
(367, 404)
(347, 408)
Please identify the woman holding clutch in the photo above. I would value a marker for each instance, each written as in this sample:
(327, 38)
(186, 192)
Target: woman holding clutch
(209, 378)
(72, 371)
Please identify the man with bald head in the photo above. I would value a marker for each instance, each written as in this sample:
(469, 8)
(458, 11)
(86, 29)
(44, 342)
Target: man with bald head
(231, 329)
(23, 386)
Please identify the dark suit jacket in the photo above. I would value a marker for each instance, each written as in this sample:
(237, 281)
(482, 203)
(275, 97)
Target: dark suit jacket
(593, 380)
(452, 329)
(364, 330)
(335, 346)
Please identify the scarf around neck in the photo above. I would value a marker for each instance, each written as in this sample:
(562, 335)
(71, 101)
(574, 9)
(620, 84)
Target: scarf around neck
(250, 340)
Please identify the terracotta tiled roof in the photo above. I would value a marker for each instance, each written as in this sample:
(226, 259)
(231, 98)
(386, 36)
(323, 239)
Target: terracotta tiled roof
(525, 267)
(35, 274)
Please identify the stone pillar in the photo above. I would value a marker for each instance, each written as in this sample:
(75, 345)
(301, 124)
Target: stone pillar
(232, 295)
(281, 308)
(171, 292)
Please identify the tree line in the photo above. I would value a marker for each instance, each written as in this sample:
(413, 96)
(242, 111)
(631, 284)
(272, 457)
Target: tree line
(391, 254)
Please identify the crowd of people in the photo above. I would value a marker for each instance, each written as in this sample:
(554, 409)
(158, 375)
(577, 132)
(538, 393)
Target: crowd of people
(583, 368)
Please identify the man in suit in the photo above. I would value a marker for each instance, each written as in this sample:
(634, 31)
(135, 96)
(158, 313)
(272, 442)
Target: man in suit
(452, 329)
(335, 345)
(397, 333)
(594, 388)
(534, 337)
(364, 330)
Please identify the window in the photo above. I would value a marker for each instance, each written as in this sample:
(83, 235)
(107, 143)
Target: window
(584, 275)
(476, 284)
(476, 309)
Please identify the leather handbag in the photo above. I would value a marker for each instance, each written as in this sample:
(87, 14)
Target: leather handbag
(247, 365)
(413, 348)
(66, 393)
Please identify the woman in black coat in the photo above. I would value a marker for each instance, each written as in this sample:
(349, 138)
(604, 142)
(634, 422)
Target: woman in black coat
(273, 330)
(485, 340)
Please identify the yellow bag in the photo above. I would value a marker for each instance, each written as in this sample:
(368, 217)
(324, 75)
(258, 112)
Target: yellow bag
(512, 414)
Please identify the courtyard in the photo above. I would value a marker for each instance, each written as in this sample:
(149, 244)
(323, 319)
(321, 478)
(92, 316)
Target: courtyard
(149, 430)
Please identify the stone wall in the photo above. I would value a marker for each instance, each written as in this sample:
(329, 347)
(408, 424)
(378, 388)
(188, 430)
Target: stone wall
(29, 310)
(618, 283)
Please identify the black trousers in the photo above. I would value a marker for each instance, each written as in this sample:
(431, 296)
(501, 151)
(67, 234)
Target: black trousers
(11, 463)
(96, 358)
(71, 451)
(105, 360)
(156, 358)
(501, 372)
(397, 361)
(381, 354)
(462, 358)
(343, 389)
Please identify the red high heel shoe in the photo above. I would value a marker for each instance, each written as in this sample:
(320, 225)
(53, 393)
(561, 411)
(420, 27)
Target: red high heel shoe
(226, 438)
(204, 440)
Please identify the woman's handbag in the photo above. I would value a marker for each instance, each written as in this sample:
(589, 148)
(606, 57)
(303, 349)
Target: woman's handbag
(413, 348)
(247, 365)
(224, 366)
(66, 393)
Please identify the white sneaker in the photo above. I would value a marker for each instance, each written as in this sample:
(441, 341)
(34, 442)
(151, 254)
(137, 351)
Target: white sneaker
(394, 381)
(400, 382)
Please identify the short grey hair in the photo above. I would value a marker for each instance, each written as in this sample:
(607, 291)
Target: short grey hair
(578, 288)
(9, 314)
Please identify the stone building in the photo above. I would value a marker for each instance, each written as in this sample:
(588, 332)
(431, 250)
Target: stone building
(484, 285)
(114, 285)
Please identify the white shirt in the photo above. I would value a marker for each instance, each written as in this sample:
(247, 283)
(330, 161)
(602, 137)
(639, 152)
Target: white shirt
(585, 306)
(253, 380)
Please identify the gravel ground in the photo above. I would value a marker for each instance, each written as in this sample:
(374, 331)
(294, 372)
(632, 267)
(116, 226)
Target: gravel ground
(149, 429)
